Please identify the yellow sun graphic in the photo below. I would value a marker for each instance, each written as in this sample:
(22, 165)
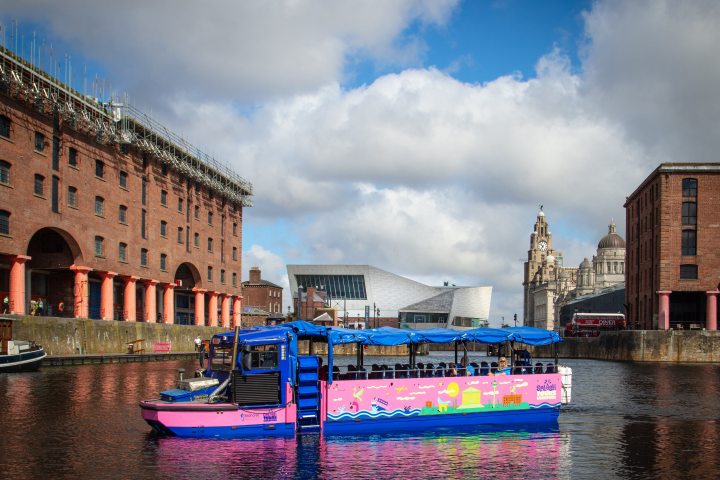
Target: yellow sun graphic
(453, 389)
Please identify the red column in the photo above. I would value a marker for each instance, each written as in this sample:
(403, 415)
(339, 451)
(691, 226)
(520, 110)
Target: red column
(225, 310)
(17, 284)
(106, 295)
(199, 306)
(130, 304)
(237, 309)
(212, 309)
(169, 303)
(81, 309)
(664, 309)
(711, 319)
(150, 301)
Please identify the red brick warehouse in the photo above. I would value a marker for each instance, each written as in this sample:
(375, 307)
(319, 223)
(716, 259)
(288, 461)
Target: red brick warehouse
(673, 248)
(106, 214)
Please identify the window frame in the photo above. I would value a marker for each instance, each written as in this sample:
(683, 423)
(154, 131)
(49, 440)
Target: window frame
(99, 201)
(99, 242)
(5, 221)
(5, 127)
(122, 252)
(40, 142)
(72, 195)
(688, 243)
(5, 168)
(123, 179)
(122, 214)
(99, 168)
(39, 181)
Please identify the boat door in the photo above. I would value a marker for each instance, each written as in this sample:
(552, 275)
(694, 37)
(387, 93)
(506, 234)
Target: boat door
(307, 394)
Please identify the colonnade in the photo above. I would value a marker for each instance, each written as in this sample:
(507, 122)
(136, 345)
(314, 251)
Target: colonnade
(81, 305)
(664, 309)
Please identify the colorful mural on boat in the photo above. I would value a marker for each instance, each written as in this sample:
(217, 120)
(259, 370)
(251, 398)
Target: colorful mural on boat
(357, 399)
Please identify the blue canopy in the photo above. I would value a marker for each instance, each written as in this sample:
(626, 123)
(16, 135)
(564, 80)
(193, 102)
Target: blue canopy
(534, 336)
(389, 336)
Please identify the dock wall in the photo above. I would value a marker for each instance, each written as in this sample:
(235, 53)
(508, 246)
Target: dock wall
(680, 346)
(75, 336)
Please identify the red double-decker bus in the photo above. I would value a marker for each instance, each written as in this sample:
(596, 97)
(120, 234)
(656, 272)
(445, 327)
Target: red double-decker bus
(591, 324)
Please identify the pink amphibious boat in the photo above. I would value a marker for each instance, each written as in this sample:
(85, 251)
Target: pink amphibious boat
(256, 383)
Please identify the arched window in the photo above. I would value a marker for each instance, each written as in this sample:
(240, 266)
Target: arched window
(4, 172)
(4, 222)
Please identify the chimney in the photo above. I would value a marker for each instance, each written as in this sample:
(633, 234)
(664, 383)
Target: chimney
(254, 275)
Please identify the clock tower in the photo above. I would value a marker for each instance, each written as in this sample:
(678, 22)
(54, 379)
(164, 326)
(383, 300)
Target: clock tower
(539, 268)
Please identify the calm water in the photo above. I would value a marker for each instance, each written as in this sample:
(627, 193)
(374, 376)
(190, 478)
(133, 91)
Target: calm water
(626, 421)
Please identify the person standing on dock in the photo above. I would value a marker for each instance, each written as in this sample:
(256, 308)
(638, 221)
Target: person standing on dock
(198, 343)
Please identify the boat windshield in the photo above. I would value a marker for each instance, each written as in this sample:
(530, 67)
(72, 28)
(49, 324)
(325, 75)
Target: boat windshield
(222, 358)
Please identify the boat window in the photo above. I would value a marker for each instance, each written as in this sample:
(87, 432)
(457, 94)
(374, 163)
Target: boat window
(260, 356)
(222, 358)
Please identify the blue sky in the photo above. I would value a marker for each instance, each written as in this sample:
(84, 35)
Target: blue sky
(417, 136)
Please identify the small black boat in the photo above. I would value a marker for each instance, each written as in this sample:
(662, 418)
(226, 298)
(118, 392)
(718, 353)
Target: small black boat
(17, 355)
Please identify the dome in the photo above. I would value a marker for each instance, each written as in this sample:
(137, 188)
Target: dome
(612, 239)
(585, 264)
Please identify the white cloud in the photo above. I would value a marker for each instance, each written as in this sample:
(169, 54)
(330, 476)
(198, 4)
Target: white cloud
(226, 49)
(419, 173)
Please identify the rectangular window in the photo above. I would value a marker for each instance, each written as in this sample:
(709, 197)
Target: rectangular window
(234, 254)
(39, 142)
(180, 204)
(143, 224)
(99, 169)
(180, 235)
(98, 246)
(4, 172)
(99, 206)
(197, 211)
(123, 179)
(689, 242)
(163, 198)
(210, 244)
(122, 252)
(222, 276)
(196, 241)
(689, 213)
(4, 126)
(689, 272)
(72, 157)
(209, 275)
(235, 228)
(4, 222)
(234, 279)
(56, 153)
(143, 191)
(72, 197)
(122, 214)
(689, 187)
(39, 185)
(143, 257)
(210, 218)
(55, 194)
(163, 228)
(163, 262)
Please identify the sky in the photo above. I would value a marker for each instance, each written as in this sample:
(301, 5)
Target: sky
(417, 136)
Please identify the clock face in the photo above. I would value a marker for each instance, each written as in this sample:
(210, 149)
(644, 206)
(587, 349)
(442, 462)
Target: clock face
(542, 245)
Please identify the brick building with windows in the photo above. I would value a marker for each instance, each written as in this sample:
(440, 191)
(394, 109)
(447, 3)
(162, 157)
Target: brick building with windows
(262, 294)
(673, 248)
(106, 214)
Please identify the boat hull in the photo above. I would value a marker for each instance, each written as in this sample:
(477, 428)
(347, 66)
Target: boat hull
(23, 362)
(501, 418)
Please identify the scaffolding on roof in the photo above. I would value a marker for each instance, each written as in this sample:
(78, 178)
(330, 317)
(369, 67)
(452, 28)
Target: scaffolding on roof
(118, 123)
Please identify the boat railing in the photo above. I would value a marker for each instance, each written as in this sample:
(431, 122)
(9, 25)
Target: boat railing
(427, 370)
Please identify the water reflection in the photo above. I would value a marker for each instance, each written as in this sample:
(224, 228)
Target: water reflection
(468, 453)
(627, 421)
